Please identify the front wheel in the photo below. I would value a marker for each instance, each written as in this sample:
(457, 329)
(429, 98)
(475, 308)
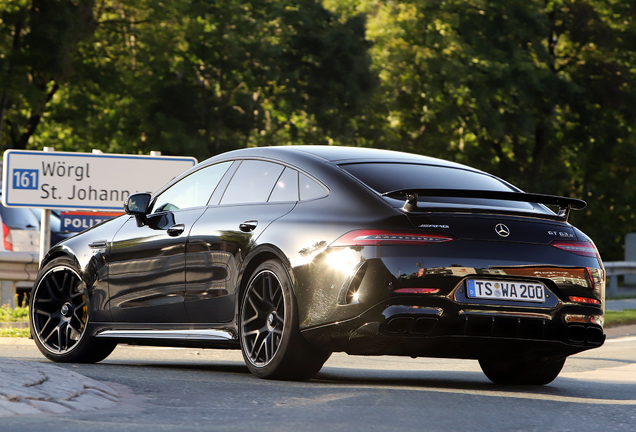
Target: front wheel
(272, 345)
(59, 312)
(536, 372)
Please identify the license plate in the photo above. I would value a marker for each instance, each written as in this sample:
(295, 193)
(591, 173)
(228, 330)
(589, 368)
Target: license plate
(505, 290)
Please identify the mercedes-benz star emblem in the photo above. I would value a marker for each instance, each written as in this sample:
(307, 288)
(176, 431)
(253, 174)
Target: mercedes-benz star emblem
(502, 230)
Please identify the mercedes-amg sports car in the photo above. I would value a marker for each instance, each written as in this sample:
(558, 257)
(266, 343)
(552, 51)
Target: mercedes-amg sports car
(292, 253)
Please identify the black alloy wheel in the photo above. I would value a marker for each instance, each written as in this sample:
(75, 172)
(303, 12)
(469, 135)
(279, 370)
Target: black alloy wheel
(271, 342)
(59, 311)
(263, 318)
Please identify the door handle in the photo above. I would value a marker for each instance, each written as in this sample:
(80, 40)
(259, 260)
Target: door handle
(248, 226)
(176, 230)
(98, 244)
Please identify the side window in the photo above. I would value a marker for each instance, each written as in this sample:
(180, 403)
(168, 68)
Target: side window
(252, 183)
(192, 191)
(310, 189)
(286, 188)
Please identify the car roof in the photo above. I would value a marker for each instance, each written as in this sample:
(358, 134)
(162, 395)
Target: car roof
(340, 155)
(351, 154)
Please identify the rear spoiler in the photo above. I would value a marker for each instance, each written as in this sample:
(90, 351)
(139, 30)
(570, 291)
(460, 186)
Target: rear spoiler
(565, 204)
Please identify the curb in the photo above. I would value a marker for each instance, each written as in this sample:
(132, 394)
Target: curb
(36, 388)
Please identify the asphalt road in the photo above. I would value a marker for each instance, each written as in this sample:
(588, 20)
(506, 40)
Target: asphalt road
(198, 390)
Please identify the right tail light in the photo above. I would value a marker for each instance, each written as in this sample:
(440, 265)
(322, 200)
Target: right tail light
(583, 248)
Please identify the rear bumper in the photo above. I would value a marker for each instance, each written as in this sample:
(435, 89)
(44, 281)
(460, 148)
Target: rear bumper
(441, 327)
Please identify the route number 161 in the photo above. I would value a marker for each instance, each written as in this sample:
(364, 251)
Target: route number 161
(25, 179)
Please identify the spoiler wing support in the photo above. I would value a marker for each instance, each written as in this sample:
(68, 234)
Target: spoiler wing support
(565, 204)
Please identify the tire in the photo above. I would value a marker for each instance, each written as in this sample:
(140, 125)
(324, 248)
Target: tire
(59, 313)
(272, 345)
(537, 372)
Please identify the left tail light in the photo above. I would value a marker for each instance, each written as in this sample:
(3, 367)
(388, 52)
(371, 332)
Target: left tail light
(386, 237)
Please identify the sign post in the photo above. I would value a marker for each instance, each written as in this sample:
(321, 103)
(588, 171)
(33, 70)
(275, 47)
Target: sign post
(82, 181)
(45, 225)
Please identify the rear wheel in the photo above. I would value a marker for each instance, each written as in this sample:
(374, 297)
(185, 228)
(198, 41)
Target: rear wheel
(272, 345)
(59, 313)
(536, 372)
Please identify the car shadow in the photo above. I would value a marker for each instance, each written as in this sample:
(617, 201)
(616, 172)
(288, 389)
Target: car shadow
(466, 383)
(562, 389)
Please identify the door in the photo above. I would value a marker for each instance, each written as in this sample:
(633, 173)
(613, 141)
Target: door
(147, 262)
(259, 193)
(147, 268)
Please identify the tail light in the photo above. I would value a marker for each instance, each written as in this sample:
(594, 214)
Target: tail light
(596, 277)
(6, 237)
(584, 300)
(417, 290)
(584, 248)
(385, 237)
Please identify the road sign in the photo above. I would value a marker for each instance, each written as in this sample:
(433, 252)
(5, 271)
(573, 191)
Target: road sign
(84, 181)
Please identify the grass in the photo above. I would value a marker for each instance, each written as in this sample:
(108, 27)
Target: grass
(14, 332)
(620, 318)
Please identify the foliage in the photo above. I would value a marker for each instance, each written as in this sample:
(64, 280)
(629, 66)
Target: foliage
(201, 77)
(19, 313)
(539, 92)
(37, 42)
(620, 318)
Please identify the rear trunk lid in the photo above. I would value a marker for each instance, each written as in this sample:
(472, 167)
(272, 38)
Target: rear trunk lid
(493, 227)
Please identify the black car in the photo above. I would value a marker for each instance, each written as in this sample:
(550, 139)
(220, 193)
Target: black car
(291, 253)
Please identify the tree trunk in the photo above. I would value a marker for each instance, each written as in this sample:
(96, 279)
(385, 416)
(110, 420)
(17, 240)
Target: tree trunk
(540, 142)
(34, 121)
(3, 109)
(15, 46)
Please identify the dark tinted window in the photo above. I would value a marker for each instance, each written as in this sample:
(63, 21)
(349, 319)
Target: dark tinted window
(385, 177)
(19, 218)
(310, 189)
(252, 183)
(192, 191)
(286, 188)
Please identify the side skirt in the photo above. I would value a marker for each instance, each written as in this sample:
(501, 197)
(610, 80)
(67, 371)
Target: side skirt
(167, 335)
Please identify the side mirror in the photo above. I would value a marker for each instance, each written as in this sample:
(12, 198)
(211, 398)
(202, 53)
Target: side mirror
(137, 205)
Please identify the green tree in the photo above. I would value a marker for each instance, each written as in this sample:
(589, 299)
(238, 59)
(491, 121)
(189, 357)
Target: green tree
(37, 41)
(537, 92)
(200, 77)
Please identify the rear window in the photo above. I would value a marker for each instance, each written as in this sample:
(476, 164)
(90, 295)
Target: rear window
(386, 177)
(18, 218)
